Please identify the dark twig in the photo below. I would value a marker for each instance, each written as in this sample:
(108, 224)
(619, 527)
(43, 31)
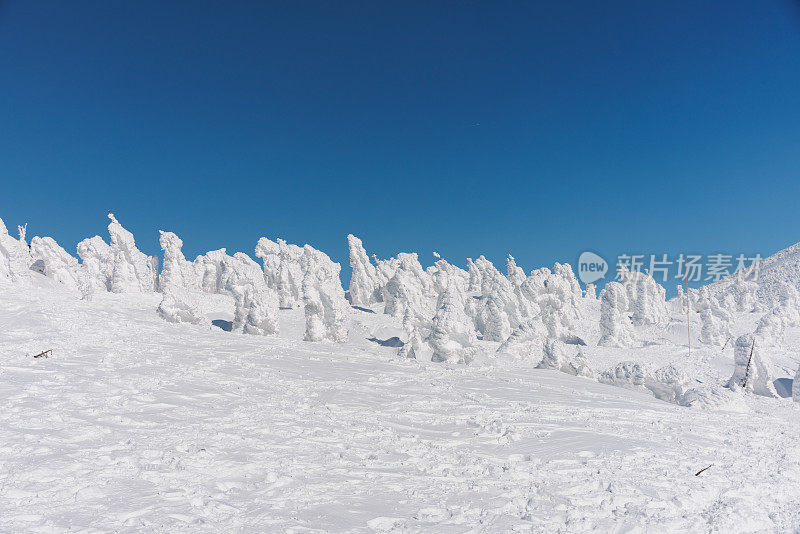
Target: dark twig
(703, 469)
(749, 361)
(44, 354)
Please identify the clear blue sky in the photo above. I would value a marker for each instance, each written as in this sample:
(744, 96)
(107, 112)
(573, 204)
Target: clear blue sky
(536, 128)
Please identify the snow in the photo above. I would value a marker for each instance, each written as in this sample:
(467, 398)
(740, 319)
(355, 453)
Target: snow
(397, 413)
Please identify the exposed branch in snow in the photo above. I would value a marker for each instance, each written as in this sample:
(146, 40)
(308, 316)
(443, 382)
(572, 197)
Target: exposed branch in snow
(703, 469)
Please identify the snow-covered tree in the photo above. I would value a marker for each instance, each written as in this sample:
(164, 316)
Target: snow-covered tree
(789, 304)
(452, 334)
(628, 374)
(556, 357)
(240, 270)
(712, 330)
(443, 273)
(283, 270)
(410, 288)
(646, 298)
(256, 310)
(133, 271)
(323, 297)
(364, 280)
(615, 325)
(744, 292)
(208, 268)
(715, 321)
(565, 272)
(15, 258)
(178, 307)
(526, 342)
(498, 312)
(176, 270)
(771, 327)
(256, 304)
(752, 369)
(55, 262)
(590, 292)
(475, 277)
(516, 275)
(97, 262)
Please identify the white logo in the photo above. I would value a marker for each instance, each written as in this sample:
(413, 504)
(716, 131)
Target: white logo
(591, 267)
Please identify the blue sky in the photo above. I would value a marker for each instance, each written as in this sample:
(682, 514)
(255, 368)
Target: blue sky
(540, 129)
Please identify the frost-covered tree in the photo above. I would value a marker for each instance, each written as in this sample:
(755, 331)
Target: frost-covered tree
(452, 332)
(178, 307)
(97, 262)
(712, 330)
(752, 369)
(133, 271)
(556, 357)
(283, 270)
(628, 374)
(15, 258)
(55, 262)
(256, 304)
(526, 342)
(256, 310)
(516, 275)
(646, 298)
(615, 325)
(565, 272)
(365, 284)
(262, 315)
(551, 297)
(771, 327)
(409, 288)
(323, 297)
(240, 270)
(789, 304)
(208, 269)
(715, 321)
(475, 277)
(744, 292)
(443, 273)
(590, 292)
(176, 270)
(498, 312)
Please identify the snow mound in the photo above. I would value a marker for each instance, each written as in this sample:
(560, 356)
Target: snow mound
(178, 307)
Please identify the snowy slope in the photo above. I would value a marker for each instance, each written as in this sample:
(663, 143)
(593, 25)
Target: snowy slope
(781, 267)
(135, 424)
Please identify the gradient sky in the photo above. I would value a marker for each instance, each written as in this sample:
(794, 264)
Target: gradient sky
(540, 129)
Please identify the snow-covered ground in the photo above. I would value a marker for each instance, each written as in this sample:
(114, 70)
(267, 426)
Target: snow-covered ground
(138, 424)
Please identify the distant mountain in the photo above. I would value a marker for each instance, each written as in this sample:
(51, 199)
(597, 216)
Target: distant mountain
(781, 267)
